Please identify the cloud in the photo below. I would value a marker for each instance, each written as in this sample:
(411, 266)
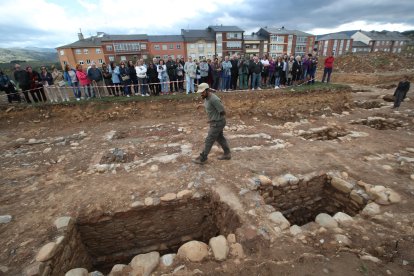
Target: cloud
(51, 23)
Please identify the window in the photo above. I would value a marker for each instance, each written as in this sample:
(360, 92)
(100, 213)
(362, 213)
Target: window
(111, 58)
(109, 48)
(165, 57)
(85, 51)
(193, 55)
(62, 52)
(98, 50)
(172, 57)
(171, 46)
(178, 46)
(277, 38)
(88, 61)
(234, 44)
(78, 51)
(157, 57)
(144, 56)
(164, 46)
(100, 61)
(219, 38)
(233, 35)
(126, 47)
(123, 58)
(156, 47)
(192, 46)
(81, 62)
(301, 40)
(143, 46)
(209, 45)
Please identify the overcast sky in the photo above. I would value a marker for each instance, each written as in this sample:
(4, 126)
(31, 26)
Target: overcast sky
(52, 23)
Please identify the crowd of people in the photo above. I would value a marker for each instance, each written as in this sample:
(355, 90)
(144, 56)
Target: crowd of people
(159, 77)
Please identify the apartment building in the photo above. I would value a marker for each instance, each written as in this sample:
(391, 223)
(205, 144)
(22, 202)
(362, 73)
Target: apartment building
(163, 46)
(283, 41)
(199, 43)
(335, 44)
(254, 44)
(359, 47)
(392, 42)
(228, 40)
(124, 47)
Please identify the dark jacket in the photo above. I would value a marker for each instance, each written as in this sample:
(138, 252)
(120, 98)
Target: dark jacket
(171, 66)
(297, 68)
(22, 77)
(256, 68)
(279, 68)
(133, 73)
(123, 71)
(35, 80)
(4, 82)
(152, 72)
(94, 74)
(403, 86)
(46, 78)
(234, 67)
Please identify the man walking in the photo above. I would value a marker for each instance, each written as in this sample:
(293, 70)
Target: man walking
(401, 92)
(216, 118)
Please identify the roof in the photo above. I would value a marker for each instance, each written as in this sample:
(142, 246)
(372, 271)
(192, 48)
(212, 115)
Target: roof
(334, 36)
(93, 41)
(359, 44)
(165, 38)
(125, 37)
(384, 35)
(282, 30)
(254, 37)
(194, 35)
(221, 28)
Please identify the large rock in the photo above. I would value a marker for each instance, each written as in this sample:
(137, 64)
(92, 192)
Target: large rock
(145, 263)
(371, 209)
(279, 220)
(383, 195)
(295, 230)
(77, 272)
(236, 250)
(194, 251)
(168, 197)
(5, 219)
(220, 247)
(343, 218)
(342, 239)
(341, 185)
(46, 252)
(264, 180)
(326, 221)
(117, 270)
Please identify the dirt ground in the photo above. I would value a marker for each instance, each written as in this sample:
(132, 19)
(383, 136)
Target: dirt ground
(57, 174)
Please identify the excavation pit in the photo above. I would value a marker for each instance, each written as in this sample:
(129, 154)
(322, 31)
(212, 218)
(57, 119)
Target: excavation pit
(323, 133)
(101, 241)
(301, 200)
(368, 104)
(380, 123)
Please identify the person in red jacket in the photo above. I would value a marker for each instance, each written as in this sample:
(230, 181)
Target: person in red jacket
(328, 68)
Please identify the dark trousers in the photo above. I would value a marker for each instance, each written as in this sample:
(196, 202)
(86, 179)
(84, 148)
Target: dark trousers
(173, 83)
(26, 93)
(215, 134)
(11, 94)
(327, 72)
(155, 87)
(399, 97)
(180, 80)
(234, 78)
(216, 81)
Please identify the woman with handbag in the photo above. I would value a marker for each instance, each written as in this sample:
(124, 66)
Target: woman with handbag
(180, 75)
(69, 76)
(125, 79)
(60, 84)
(163, 76)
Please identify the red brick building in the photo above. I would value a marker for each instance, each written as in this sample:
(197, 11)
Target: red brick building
(334, 44)
(228, 40)
(125, 47)
(162, 46)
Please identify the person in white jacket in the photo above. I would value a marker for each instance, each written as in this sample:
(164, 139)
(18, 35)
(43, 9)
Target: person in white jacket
(163, 76)
(190, 69)
(141, 70)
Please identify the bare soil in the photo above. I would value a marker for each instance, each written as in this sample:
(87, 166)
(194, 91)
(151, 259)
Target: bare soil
(39, 184)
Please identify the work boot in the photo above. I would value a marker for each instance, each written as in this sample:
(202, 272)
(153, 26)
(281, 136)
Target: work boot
(200, 160)
(226, 156)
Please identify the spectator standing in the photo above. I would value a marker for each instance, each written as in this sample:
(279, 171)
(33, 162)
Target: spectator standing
(171, 71)
(290, 68)
(163, 77)
(216, 68)
(84, 82)
(153, 77)
(296, 70)
(243, 73)
(313, 65)
(401, 92)
(23, 81)
(190, 69)
(327, 70)
(265, 72)
(204, 68)
(306, 67)
(271, 78)
(226, 66)
(116, 78)
(59, 83)
(234, 72)
(96, 78)
(69, 75)
(47, 82)
(125, 79)
(142, 77)
(256, 69)
(279, 65)
(179, 72)
(7, 86)
(107, 76)
(133, 77)
(36, 87)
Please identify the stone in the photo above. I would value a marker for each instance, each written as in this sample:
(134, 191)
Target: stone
(148, 201)
(236, 250)
(184, 194)
(137, 203)
(47, 150)
(168, 197)
(280, 221)
(178, 268)
(96, 273)
(154, 168)
(77, 272)
(62, 222)
(286, 179)
(194, 251)
(34, 269)
(412, 177)
(343, 218)
(101, 168)
(145, 263)
(326, 221)
(46, 252)
(20, 140)
(117, 270)
(59, 239)
(341, 185)
(168, 259)
(231, 238)
(342, 239)
(393, 197)
(371, 209)
(387, 167)
(370, 258)
(5, 219)
(220, 247)
(295, 230)
(264, 180)
(3, 268)
(355, 196)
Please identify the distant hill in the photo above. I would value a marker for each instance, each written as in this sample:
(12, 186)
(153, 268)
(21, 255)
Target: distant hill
(409, 34)
(28, 54)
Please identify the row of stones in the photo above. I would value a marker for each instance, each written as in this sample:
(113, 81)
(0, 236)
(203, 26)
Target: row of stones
(218, 248)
